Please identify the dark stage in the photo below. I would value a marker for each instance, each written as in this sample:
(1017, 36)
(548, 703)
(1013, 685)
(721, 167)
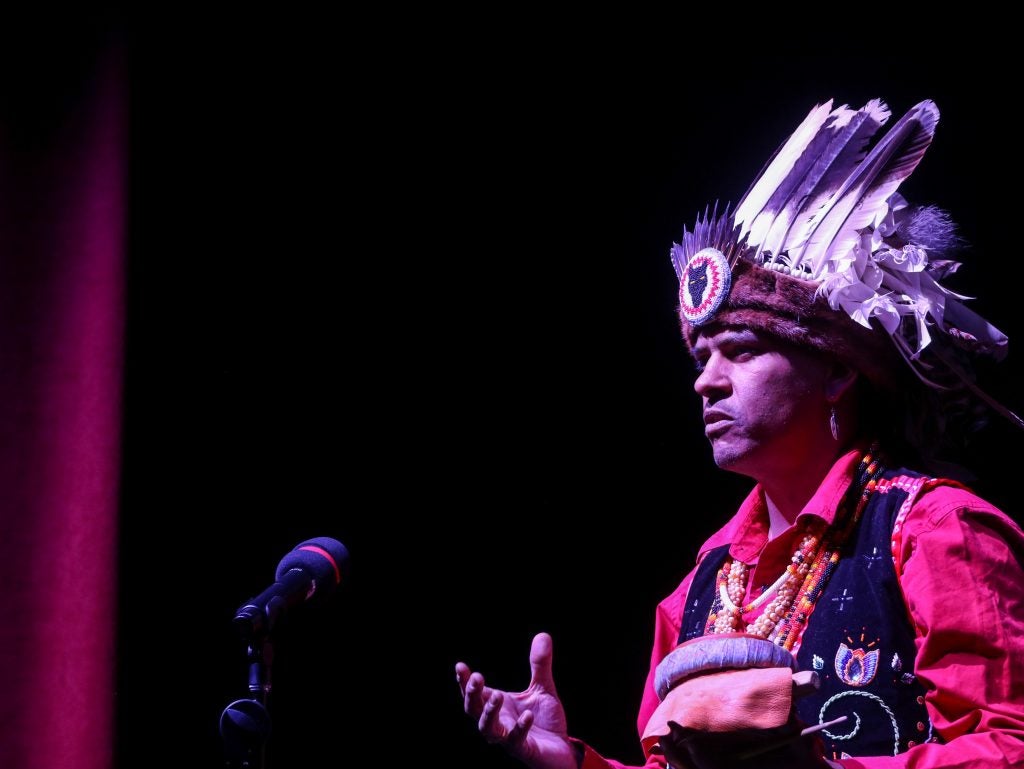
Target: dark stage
(418, 298)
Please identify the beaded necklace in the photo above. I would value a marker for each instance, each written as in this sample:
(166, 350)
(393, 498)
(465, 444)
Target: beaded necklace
(800, 585)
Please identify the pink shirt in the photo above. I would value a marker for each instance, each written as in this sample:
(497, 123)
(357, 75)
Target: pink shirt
(960, 563)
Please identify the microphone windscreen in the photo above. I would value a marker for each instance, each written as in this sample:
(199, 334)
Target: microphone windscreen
(323, 558)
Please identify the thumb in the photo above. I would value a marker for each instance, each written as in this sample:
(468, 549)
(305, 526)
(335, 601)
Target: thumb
(540, 663)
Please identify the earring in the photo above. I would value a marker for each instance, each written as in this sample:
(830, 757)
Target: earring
(833, 424)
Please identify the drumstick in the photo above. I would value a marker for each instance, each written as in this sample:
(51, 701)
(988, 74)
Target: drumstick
(773, 745)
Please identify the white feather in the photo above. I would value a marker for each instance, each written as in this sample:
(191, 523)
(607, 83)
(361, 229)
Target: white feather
(856, 128)
(861, 197)
(750, 212)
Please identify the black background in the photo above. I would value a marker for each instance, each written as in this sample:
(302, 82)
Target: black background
(412, 291)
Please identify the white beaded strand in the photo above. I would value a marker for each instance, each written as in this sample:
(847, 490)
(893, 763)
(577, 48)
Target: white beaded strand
(784, 589)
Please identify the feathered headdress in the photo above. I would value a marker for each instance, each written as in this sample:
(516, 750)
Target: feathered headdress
(823, 251)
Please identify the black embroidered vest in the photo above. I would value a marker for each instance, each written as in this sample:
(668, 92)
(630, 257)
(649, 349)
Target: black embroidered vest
(859, 638)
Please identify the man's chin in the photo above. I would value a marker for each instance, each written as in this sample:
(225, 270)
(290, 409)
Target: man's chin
(727, 454)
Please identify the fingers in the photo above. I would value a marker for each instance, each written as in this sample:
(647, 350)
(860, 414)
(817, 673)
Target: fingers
(489, 725)
(518, 733)
(540, 663)
(474, 695)
(462, 674)
(471, 686)
(491, 728)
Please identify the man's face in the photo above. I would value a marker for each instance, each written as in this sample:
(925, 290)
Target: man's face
(764, 400)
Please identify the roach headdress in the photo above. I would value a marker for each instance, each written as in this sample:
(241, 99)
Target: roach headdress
(824, 252)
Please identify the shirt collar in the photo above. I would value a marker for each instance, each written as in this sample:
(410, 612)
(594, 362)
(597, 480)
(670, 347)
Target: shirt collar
(747, 531)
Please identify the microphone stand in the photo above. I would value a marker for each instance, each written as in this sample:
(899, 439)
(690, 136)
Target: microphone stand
(245, 723)
(314, 565)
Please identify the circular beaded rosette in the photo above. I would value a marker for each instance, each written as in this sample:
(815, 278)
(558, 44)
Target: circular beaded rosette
(705, 286)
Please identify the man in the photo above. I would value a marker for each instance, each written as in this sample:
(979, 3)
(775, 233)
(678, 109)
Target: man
(853, 612)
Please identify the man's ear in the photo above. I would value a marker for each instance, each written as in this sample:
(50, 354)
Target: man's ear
(838, 380)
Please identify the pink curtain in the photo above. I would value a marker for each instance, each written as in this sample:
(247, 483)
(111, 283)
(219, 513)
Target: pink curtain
(62, 243)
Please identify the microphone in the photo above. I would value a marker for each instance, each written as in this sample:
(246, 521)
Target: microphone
(308, 574)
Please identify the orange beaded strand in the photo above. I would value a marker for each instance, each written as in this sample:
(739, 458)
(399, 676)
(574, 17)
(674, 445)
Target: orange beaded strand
(797, 589)
(791, 631)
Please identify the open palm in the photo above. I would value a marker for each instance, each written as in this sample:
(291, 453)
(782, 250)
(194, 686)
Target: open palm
(530, 724)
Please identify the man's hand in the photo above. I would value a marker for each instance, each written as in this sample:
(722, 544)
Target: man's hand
(529, 724)
(779, 748)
